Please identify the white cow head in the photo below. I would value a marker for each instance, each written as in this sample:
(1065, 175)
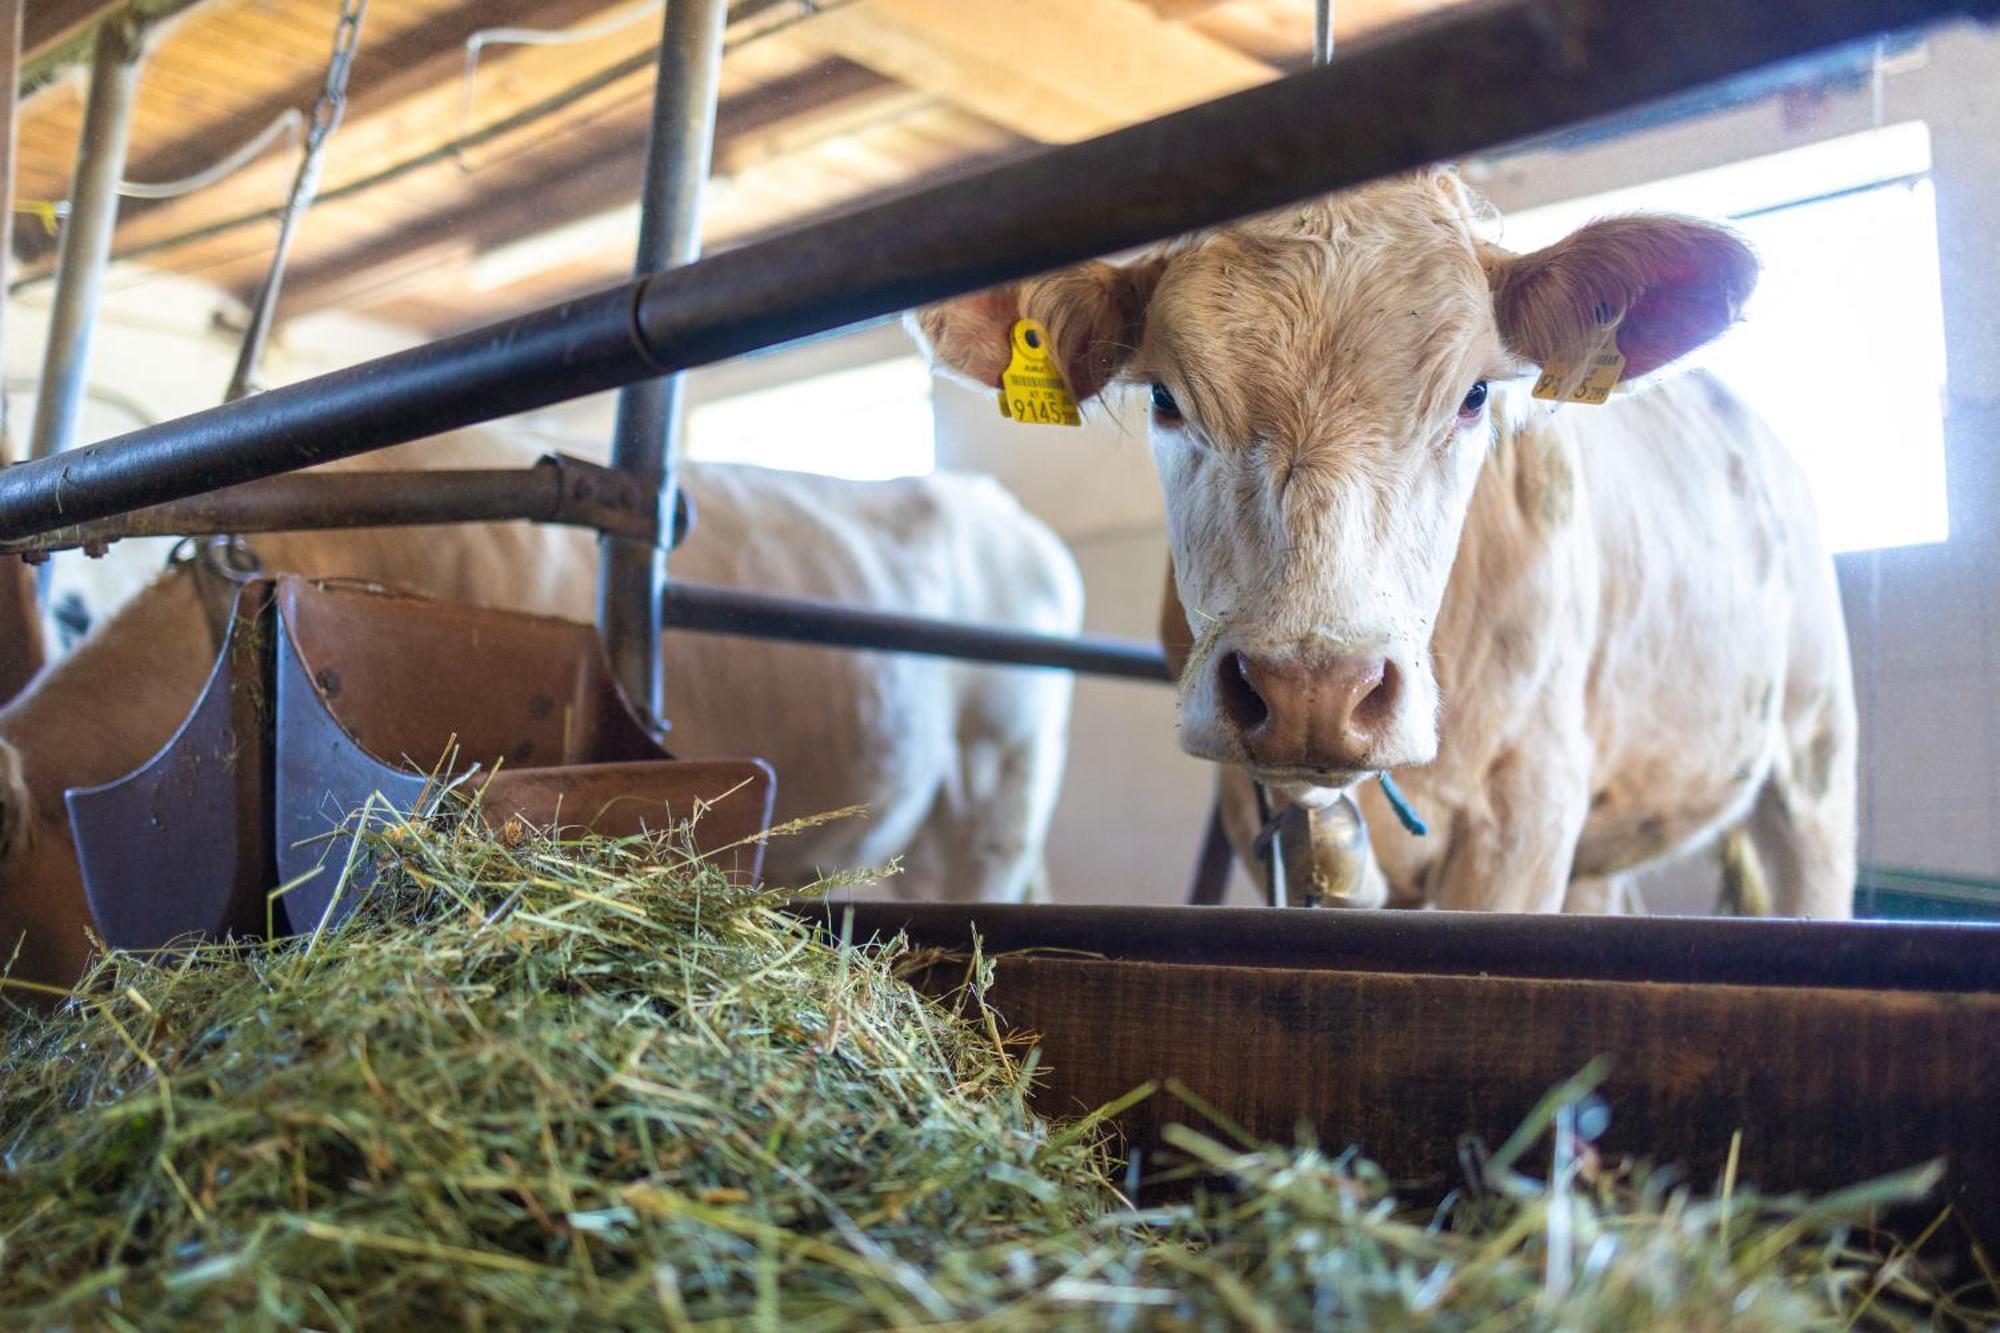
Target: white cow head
(1325, 383)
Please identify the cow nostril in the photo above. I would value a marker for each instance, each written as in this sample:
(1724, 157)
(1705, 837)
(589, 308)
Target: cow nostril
(1378, 707)
(1241, 703)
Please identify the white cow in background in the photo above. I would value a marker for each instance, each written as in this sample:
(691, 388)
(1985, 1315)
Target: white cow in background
(1584, 639)
(958, 763)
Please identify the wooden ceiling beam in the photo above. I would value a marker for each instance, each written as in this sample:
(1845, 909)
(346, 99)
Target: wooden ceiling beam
(749, 128)
(406, 65)
(1056, 76)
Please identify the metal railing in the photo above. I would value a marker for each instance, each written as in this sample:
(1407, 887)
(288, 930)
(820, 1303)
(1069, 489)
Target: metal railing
(1476, 77)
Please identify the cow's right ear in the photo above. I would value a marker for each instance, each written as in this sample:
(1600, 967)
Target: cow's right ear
(1094, 314)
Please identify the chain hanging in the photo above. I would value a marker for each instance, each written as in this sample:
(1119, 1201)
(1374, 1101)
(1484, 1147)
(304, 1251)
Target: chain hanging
(326, 113)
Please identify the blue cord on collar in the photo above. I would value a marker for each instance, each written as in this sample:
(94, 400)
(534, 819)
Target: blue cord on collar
(1400, 803)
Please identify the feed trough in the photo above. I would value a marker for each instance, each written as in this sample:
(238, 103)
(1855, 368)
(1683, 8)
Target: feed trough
(328, 696)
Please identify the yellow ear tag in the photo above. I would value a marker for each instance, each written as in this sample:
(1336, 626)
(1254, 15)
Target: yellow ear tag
(1591, 381)
(1033, 390)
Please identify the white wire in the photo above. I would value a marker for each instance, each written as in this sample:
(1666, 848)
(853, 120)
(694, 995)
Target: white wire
(486, 37)
(289, 121)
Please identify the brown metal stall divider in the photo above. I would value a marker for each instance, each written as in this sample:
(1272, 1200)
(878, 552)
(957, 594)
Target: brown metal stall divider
(1839, 1051)
(302, 724)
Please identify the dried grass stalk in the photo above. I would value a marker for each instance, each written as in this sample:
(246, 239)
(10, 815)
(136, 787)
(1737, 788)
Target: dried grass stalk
(562, 1081)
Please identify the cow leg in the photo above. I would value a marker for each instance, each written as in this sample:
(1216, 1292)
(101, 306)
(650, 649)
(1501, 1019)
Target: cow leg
(983, 838)
(1515, 853)
(1802, 827)
(1603, 895)
(1806, 844)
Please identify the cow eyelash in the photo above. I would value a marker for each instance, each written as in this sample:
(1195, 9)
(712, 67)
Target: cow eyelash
(1164, 404)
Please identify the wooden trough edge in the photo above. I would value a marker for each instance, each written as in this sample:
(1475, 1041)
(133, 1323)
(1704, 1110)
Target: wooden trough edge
(1903, 956)
(1839, 1051)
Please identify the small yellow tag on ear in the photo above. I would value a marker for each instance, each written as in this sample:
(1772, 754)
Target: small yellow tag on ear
(1591, 382)
(1033, 390)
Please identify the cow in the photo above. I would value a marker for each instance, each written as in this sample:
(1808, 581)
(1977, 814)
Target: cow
(958, 763)
(1583, 639)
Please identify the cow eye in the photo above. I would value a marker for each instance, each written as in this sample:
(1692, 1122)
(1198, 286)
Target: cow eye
(1164, 404)
(1474, 400)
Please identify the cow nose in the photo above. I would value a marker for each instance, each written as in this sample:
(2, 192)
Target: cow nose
(1329, 714)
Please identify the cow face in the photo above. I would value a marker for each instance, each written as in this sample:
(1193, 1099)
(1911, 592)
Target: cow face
(1325, 384)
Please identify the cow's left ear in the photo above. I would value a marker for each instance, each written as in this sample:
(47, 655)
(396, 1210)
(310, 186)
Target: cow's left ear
(1679, 282)
(1093, 312)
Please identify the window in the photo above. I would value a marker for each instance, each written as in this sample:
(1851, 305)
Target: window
(869, 423)
(1841, 348)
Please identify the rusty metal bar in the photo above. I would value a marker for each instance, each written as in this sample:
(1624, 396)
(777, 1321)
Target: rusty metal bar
(86, 240)
(1471, 79)
(709, 609)
(679, 145)
(557, 490)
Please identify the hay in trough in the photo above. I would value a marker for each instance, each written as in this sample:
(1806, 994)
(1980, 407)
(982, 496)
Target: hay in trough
(543, 1082)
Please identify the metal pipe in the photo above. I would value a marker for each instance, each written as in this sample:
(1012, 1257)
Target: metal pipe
(708, 609)
(21, 650)
(557, 490)
(86, 241)
(10, 85)
(1473, 78)
(61, 34)
(643, 444)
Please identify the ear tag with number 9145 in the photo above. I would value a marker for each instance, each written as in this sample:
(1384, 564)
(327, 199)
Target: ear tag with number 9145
(1564, 381)
(1032, 390)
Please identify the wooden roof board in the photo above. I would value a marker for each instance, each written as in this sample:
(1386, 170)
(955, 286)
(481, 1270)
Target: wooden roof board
(811, 137)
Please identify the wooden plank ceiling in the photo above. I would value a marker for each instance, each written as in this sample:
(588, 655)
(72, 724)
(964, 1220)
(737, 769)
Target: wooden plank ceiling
(448, 202)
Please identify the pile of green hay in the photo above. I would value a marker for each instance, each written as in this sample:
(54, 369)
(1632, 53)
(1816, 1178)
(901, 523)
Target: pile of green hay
(583, 1082)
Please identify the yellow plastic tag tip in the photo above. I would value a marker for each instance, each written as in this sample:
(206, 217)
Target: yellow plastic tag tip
(1032, 390)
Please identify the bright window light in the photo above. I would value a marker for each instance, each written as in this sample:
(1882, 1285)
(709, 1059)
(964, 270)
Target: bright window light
(1841, 349)
(869, 424)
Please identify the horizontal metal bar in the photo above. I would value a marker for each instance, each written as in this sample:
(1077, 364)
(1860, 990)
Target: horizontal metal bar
(709, 609)
(559, 489)
(1696, 950)
(1473, 78)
